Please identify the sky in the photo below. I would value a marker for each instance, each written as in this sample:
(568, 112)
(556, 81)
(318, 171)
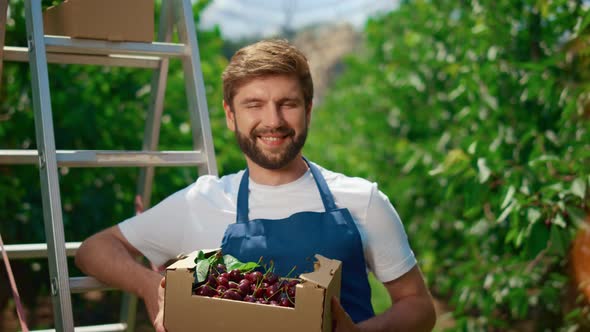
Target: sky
(244, 18)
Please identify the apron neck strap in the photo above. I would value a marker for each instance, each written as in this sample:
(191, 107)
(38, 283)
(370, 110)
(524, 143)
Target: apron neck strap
(244, 192)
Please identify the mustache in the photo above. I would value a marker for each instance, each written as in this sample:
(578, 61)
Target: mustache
(285, 131)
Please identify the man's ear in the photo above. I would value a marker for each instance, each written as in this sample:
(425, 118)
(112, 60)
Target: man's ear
(308, 113)
(229, 117)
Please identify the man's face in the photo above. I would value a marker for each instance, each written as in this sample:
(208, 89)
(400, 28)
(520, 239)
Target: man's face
(270, 120)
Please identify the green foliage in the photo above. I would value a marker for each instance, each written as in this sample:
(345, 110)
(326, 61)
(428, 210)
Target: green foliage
(473, 117)
(102, 108)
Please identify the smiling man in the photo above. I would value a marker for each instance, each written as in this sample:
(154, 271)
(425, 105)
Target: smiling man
(282, 207)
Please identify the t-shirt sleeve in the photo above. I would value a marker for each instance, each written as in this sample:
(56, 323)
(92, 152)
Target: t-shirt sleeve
(388, 250)
(157, 232)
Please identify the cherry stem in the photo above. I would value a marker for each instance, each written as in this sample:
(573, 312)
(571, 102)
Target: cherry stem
(293, 269)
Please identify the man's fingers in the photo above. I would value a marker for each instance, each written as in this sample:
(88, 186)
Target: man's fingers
(159, 321)
(338, 312)
(341, 321)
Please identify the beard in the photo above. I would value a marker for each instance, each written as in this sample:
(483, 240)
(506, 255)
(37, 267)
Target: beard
(271, 160)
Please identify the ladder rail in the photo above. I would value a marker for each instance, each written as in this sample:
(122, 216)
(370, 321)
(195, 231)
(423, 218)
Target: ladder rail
(150, 142)
(154, 115)
(195, 87)
(3, 18)
(52, 213)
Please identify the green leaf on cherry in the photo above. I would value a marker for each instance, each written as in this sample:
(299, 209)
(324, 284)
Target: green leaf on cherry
(202, 268)
(233, 263)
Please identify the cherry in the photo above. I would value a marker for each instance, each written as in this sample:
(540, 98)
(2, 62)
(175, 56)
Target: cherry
(233, 285)
(272, 292)
(221, 289)
(249, 298)
(222, 281)
(236, 275)
(285, 303)
(291, 292)
(271, 278)
(259, 292)
(244, 286)
(211, 280)
(232, 295)
(254, 276)
(205, 290)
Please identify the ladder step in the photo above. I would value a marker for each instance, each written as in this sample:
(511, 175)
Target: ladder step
(36, 250)
(85, 284)
(21, 54)
(61, 44)
(105, 158)
(95, 328)
(39, 250)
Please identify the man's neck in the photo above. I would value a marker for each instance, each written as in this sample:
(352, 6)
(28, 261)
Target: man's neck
(274, 177)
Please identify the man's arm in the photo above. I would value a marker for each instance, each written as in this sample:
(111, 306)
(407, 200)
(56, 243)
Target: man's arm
(412, 309)
(111, 259)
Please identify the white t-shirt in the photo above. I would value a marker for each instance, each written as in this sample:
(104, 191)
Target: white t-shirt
(196, 217)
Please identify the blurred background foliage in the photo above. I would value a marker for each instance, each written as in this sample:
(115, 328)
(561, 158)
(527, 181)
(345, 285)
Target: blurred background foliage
(473, 116)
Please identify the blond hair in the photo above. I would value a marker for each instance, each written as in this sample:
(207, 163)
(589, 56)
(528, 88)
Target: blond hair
(266, 58)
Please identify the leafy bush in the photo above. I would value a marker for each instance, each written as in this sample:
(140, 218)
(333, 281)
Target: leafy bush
(473, 117)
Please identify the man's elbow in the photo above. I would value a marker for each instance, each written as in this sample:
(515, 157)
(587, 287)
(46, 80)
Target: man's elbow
(82, 256)
(429, 315)
(92, 250)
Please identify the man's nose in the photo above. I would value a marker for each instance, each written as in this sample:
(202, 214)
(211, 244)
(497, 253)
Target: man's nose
(272, 116)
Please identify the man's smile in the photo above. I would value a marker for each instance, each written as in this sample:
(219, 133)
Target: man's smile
(274, 140)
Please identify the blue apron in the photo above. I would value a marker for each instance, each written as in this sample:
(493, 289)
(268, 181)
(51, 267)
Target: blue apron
(295, 240)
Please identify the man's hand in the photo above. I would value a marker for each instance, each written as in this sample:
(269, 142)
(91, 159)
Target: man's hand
(341, 321)
(159, 320)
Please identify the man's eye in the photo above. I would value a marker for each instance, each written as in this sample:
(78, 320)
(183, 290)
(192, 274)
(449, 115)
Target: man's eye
(253, 105)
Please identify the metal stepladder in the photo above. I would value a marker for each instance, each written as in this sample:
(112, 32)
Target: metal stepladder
(41, 49)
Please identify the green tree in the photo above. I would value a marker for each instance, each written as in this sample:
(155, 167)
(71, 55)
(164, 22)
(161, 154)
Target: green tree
(104, 108)
(473, 117)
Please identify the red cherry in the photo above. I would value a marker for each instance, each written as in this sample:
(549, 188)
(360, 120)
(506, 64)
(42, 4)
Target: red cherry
(244, 286)
(285, 303)
(221, 289)
(254, 276)
(249, 298)
(272, 292)
(271, 278)
(236, 275)
(223, 281)
(232, 295)
(232, 285)
(258, 292)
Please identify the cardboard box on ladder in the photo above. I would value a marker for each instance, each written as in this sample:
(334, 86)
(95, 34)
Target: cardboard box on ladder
(113, 20)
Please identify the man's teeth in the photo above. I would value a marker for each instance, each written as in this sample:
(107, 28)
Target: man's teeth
(270, 138)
